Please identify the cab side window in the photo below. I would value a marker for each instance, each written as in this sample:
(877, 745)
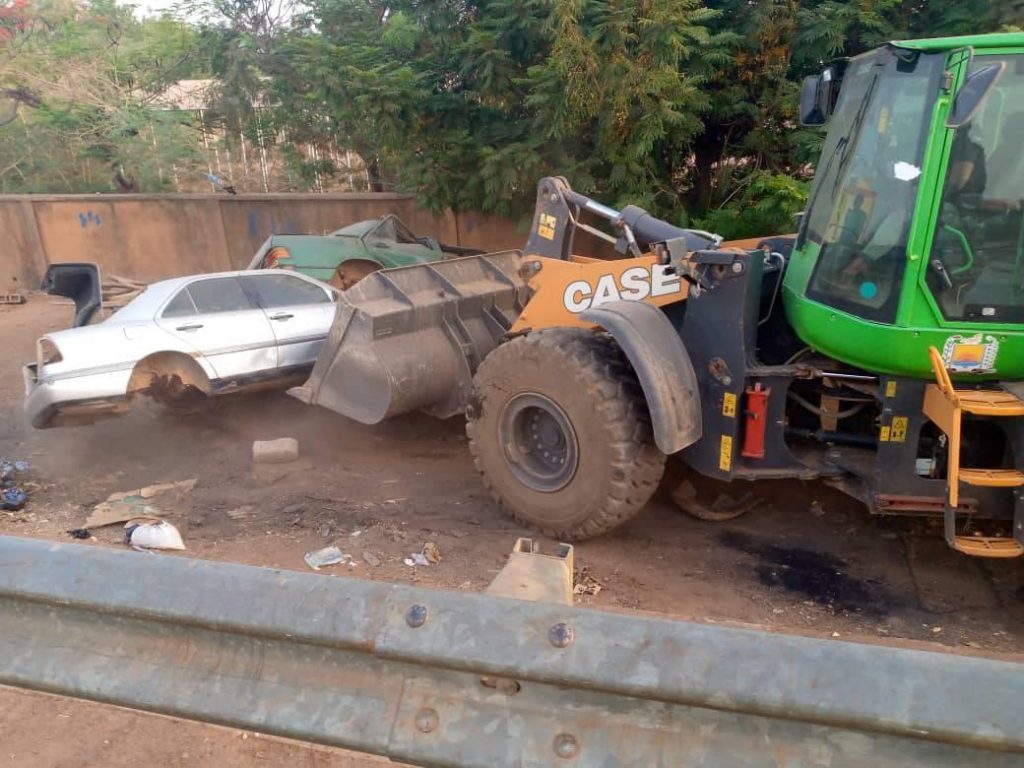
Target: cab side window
(976, 263)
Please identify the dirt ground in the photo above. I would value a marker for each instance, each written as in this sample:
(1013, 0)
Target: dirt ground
(809, 561)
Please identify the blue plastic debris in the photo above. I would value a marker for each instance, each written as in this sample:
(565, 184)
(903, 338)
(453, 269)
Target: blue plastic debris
(12, 499)
(8, 469)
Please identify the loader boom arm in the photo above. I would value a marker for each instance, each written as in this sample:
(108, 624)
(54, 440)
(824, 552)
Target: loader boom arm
(556, 218)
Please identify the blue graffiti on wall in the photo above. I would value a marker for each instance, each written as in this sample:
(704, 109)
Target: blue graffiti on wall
(87, 219)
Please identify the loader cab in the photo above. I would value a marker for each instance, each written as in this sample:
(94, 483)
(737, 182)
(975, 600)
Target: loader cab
(914, 231)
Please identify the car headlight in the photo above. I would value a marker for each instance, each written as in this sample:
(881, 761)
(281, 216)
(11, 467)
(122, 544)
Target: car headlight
(47, 352)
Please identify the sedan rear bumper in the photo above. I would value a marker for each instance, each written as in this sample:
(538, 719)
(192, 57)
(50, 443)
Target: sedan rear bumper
(75, 400)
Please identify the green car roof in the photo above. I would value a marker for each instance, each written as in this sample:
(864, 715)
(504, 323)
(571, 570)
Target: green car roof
(358, 229)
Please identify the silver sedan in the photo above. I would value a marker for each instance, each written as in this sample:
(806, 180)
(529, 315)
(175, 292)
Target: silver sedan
(182, 341)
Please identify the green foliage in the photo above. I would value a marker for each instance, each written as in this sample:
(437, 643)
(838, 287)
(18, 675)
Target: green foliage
(763, 204)
(86, 76)
(651, 102)
(616, 87)
(686, 107)
(468, 104)
(760, 51)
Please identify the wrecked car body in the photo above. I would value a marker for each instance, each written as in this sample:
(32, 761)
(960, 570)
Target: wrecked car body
(347, 255)
(181, 341)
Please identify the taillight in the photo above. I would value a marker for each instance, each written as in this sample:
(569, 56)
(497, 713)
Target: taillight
(274, 256)
(47, 352)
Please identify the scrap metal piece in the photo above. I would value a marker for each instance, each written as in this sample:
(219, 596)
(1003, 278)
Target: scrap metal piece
(530, 575)
(78, 281)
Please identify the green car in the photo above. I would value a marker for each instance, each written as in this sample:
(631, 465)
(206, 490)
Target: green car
(346, 256)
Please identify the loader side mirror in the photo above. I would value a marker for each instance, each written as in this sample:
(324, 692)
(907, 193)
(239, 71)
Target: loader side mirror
(816, 98)
(973, 92)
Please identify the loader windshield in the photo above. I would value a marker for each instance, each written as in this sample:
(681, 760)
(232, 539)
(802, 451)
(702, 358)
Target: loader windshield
(866, 186)
(976, 264)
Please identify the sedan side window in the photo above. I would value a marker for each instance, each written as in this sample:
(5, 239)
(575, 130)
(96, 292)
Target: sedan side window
(283, 290)
(219, 294)
(180, 306)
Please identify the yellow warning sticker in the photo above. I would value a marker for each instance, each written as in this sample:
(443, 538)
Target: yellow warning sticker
(729, 404)
(884, 435)
(546, 226)
(890, 388)
(899, 429)
(725, 454)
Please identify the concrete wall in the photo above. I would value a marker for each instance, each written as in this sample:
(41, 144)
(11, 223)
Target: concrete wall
(149, 237)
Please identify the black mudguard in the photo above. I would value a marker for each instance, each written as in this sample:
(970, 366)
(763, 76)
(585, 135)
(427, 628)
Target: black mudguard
(654, 349)
(78, 281)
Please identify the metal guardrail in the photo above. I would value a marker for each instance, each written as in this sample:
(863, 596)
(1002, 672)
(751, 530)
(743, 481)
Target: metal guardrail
(443, 678)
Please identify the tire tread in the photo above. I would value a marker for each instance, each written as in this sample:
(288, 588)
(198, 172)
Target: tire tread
(608, 382)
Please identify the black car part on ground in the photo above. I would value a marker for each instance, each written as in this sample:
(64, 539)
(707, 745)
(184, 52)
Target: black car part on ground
(78, 281)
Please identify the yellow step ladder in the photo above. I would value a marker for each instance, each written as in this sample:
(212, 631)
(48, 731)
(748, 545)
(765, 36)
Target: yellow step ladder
(945, 405)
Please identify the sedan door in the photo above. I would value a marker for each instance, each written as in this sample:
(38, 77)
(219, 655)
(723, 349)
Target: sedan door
(217, 319)
(300, 312)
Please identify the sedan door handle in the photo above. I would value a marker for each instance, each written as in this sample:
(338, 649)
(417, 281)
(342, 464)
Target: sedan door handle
(189, 327)
(281, 316)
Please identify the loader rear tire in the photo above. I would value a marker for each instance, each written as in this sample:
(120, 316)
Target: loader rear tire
(559, 430)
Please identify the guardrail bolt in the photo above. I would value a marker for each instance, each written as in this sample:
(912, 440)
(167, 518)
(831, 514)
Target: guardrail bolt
(416, 616)
(561, 635)
(427, 720)
(566, 745)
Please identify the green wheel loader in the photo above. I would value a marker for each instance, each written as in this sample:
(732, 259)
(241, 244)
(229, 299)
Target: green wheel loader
(880, 349)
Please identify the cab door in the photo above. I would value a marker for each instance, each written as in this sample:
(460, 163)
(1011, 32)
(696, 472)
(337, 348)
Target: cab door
(975, 264)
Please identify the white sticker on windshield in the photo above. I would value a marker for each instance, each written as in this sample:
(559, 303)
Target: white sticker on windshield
(905, 171)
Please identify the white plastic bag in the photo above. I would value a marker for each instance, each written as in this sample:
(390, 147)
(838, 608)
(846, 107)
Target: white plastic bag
(160, 535)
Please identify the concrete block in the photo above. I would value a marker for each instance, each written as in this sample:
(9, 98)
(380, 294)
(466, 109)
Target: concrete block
(278, 451)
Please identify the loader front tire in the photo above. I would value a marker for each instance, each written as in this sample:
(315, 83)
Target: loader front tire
(559, 430)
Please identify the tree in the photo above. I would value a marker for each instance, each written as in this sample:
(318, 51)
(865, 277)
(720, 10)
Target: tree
(750, 140)
(686, 107)
(87, 77)
(468, 104)
(623, 85)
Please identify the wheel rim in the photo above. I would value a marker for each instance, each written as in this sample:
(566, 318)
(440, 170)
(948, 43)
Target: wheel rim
(539, 442)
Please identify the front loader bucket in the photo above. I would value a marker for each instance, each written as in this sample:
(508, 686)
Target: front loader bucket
(411, 338)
